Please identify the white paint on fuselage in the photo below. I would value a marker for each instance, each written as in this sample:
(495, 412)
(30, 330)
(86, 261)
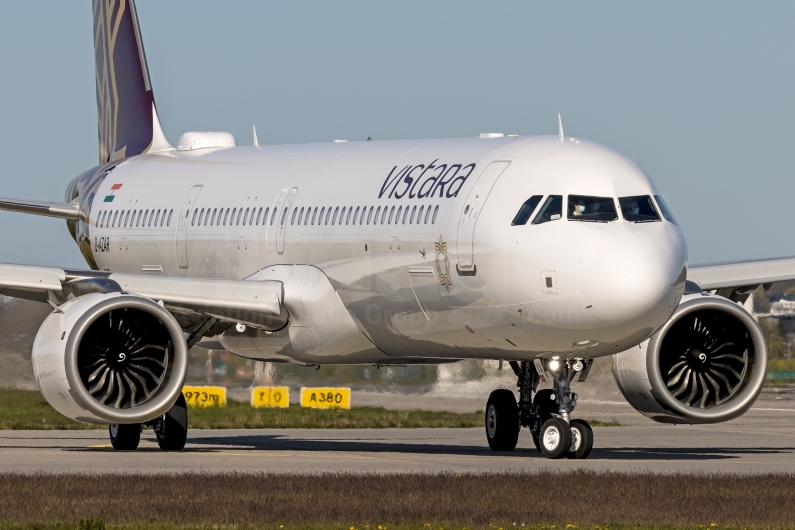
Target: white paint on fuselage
(614, 283)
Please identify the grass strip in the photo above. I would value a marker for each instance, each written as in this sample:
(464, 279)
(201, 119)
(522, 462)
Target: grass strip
(547, 499)
(101, 525)
(24, 409)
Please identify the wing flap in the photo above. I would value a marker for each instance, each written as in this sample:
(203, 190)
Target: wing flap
(256, 303)
(31, 278)
(207, 295)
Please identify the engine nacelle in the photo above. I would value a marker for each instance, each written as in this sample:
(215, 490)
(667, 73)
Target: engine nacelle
(110, 358)
(707, 364)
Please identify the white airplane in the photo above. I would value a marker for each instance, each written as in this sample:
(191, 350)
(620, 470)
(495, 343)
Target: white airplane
(546, 252)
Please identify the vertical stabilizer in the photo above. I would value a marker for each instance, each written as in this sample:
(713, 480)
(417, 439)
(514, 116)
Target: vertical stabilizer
(127, 118)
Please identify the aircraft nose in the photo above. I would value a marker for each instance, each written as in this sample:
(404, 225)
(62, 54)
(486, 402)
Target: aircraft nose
(635, 279)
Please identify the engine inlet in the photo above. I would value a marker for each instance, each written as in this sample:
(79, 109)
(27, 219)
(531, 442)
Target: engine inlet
(705, 358)
(124, 357)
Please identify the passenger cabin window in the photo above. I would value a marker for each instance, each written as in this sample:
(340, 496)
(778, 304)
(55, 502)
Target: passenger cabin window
(552, 210)
(638, 209)
(593, 209)
(527, 209)
(666, 212)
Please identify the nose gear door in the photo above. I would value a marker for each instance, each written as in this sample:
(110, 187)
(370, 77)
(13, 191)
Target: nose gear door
(469, 215)
(182, 226)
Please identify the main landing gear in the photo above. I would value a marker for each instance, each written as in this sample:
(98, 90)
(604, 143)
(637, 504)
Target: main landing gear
(171, 430)
(547, 414)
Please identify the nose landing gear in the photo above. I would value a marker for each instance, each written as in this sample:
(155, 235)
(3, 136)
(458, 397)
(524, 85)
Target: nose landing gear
(547, 414)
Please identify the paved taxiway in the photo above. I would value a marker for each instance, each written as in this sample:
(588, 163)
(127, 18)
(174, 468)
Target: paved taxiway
(762, 440)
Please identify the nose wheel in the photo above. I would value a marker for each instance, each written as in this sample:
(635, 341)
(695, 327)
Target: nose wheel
(581, 439)
(546, 414)
(555, 438)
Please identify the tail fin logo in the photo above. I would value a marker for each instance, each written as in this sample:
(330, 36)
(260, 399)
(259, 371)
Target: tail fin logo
(125, 101)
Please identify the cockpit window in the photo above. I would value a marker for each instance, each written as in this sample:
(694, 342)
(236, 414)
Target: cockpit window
(638, 209)
(666, 212)
(594, 209)
(526, 210)
(551, 211)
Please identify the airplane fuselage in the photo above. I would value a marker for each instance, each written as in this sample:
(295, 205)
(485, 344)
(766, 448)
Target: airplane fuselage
(416, 238)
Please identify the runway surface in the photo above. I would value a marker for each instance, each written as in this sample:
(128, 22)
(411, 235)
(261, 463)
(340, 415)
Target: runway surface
(762, 440)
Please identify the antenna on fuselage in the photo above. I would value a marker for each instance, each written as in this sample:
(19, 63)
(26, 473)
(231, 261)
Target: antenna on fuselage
(560, 127)
(254, 130)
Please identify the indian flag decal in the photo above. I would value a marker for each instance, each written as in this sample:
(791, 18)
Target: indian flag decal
(113, 189)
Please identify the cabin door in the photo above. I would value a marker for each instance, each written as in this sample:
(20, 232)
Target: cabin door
(182, 226)
(469, 215)
(275, 217)
(285, 218)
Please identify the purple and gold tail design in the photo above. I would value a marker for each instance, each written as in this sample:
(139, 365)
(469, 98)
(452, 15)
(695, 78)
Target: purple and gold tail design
(128, 121)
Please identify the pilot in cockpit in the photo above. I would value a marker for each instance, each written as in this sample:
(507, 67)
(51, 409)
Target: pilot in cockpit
(579, 208)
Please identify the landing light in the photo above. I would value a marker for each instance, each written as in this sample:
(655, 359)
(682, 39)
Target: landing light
(554, 365)
(240, 328)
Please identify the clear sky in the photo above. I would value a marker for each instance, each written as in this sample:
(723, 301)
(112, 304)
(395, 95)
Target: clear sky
(700, 94)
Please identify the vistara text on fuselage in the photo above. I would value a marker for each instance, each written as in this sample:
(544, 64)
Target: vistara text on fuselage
(495, 247)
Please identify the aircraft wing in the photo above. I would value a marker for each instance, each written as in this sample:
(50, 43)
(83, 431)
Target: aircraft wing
(62, 210)
(737, 279)
(258, 303)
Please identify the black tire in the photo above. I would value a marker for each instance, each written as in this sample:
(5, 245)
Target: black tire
(555, 438)
(502, 421)
(581, 440)
(171, 429)
(125, 437)
(536, 442)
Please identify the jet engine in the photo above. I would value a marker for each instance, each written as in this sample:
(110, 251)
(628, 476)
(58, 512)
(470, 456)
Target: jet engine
(110, 358)
(707, 364)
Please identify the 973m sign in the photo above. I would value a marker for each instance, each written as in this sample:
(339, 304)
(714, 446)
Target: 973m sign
(205, 396)
(326, 398)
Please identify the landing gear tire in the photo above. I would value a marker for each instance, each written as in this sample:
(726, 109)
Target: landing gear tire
(581, 439)
(502, 421)
(555, 438)
(125, 437)
(171, 429)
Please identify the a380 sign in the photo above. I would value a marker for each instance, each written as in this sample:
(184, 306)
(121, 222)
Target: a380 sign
(326, 398)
